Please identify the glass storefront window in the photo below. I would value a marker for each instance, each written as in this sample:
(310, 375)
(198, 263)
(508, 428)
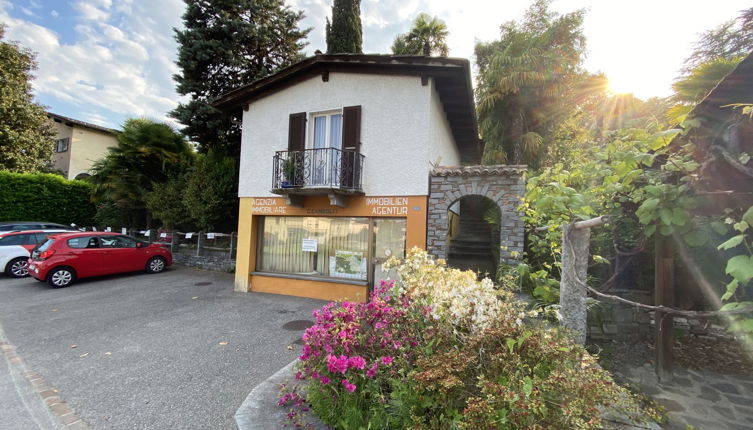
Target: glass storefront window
(341, 246)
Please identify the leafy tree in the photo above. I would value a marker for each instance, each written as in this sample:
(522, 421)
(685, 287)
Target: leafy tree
(166, 202)
(225, 44)
(716, 53)
(25, 132)
(344, 34)
(732, 39)
(147, 153)
(427, 37)
(212, 191)
(527, 81)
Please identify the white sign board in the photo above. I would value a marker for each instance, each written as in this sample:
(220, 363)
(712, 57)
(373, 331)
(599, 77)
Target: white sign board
(189, 235)
(163, 235)
(146, 233)
(210, 235)
(123, 230)
(310, 245)
(108, 229)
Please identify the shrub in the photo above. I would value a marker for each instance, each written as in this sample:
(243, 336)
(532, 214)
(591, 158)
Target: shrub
(442, 350)
(44, 197)
(454, 295)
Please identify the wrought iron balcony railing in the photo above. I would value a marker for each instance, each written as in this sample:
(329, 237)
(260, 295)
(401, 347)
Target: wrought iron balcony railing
(310, 170)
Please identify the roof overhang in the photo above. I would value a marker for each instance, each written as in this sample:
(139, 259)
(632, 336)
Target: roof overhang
(75, 122)
(452, 77)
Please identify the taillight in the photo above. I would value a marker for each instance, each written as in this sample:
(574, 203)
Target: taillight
(46, 254)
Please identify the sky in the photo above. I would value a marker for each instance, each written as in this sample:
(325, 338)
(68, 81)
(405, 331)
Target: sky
(103, 61)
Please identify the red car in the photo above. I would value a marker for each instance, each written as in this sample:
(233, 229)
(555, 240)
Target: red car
(65, 257)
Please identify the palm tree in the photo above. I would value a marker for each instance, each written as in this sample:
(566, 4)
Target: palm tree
(427, 36)
(147, 153)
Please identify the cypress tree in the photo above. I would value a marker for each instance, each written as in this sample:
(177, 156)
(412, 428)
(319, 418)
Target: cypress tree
(225, 44)
(344, 34)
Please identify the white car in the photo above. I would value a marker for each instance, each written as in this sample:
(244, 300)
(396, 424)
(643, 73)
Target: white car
(15, 248)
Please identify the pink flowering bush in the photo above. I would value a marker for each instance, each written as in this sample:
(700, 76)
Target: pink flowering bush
(356, 353)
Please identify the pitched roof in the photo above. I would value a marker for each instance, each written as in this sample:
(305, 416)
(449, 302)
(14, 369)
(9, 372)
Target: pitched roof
(736, 87)
(71, 121)
(451, 75)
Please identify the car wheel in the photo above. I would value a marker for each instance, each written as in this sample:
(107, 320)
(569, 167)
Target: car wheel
(156, 265)
(60, 277)
(18, 267)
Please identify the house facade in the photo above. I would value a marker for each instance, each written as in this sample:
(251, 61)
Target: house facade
(336, 158)
(78, 145)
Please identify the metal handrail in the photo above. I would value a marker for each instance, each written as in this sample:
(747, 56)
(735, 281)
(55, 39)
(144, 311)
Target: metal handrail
(329, 168)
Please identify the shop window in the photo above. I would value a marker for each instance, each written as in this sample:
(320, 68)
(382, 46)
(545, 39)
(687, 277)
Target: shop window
(316, 246)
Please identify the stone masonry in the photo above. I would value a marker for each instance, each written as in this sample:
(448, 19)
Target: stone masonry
(504, 185)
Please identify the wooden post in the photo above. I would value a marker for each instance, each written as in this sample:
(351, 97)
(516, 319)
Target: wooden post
(198, 244)
(575, 246)
(663, 296)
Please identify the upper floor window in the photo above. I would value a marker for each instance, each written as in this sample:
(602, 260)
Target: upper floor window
(327, 130)
(61, 145)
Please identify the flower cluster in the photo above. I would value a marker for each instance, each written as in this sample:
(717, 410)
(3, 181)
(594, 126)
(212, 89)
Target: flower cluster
(354, 342)
(455, 295)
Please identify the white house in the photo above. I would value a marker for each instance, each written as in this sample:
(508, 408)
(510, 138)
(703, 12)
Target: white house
(336, 157)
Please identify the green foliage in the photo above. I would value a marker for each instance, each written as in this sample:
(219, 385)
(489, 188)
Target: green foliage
(393, 363)
(427, 37)
(527, 83)
(166, 202)
(44, 197)
(344, 34)
(25, 132)
(211, 194)
(147, 153)
(697, 83)
(225, 44)
(729, 40)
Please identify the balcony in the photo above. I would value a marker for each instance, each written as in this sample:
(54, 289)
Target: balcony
(320, 171)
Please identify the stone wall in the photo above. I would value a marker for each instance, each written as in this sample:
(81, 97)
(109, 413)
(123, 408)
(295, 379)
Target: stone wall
(207, 262)
(623, 322)
(504, 185)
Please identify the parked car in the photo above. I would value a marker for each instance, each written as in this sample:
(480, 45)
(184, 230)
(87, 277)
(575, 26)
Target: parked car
(15, 248)
(32, 225)
(63, 258)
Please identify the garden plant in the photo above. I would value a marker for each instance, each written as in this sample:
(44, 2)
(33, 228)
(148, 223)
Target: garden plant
(441, 349)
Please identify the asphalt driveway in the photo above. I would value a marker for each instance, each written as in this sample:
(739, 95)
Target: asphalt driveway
(176, 350)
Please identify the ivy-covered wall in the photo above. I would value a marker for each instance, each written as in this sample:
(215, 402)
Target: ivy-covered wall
(44, 197)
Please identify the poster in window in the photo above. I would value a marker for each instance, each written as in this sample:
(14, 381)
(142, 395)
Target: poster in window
(348, 264)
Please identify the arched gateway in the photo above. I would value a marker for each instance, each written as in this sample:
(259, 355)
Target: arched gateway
(502, 184)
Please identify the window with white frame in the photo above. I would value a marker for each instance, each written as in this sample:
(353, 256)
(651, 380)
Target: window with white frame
(326, 130)
(61, 145)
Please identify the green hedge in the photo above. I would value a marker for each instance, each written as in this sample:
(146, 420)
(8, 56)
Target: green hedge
(44, 197)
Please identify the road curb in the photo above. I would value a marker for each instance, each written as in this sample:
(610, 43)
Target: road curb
(65, 416)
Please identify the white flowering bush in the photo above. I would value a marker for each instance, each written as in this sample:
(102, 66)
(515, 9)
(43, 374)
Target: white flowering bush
(453, 294)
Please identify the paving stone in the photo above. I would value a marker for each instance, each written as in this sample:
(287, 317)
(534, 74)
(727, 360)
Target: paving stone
(726, 388)
(709, 394)
(743, 401)
(702, 424)
(671, 405)
(683, 382)
(725, 412)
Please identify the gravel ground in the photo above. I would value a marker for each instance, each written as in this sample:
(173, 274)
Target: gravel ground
(176, 350)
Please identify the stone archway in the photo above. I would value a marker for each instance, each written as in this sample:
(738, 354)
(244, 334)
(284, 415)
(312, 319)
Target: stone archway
(502, 184)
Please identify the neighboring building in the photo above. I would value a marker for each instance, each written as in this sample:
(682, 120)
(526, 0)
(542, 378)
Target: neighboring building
(78, 145)
(337, 156)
